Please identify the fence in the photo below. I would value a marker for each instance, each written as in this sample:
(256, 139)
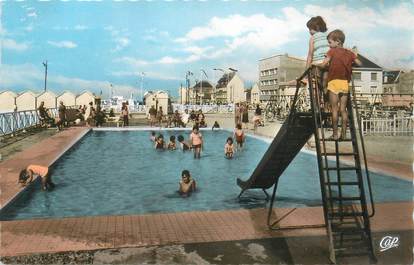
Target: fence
(131, 108)
(205, 108)
(10, 122)
(388, 126)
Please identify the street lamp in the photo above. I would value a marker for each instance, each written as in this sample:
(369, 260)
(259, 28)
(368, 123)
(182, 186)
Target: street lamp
(232, 89)
(45, 65)
(201, 83)
(142, 85)
(187, 80)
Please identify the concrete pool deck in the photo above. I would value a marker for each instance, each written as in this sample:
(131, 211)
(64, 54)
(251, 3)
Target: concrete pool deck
(24, 237)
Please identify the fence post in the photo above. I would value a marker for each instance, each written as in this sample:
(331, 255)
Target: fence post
(395, 125)
(361, 126)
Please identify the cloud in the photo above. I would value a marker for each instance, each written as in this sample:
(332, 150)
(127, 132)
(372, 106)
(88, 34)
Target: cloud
(148, 74)
(63, 44)
(121, 43)
(13, 45)
(250, 33)
(27, 76)
(131, 61)
(32, 14)
(80, 27)
(120, 37)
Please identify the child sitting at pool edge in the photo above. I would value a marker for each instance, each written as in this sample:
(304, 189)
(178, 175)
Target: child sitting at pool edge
(187, 184)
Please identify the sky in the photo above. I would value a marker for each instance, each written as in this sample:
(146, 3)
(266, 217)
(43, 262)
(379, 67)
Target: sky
(90, 45)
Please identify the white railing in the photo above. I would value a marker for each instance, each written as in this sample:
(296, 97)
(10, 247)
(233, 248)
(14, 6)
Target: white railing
(388, 126)
(11, 122)
(131, 108)
(205, 108)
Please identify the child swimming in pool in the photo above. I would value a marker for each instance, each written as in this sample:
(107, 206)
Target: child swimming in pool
(159, 143)
(229, 148)
(184, 146)
(152, 137)
(26, 176)
(239, 136)
(171, 144)
(187, 184)
(196, 140)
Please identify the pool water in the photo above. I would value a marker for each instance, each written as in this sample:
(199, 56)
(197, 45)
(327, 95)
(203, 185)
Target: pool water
(119, 173)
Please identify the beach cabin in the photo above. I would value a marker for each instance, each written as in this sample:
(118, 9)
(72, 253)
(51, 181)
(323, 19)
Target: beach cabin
(157, 99)
(48, 97)
(84, 98)
(26, 101)
(7, 101)
(68, 98)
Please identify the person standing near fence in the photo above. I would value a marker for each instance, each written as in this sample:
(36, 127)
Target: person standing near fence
(245, 115)
(125, 114)
(62, 116)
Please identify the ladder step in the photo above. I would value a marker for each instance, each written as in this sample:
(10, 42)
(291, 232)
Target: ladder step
(348, 230)
(340, 168)
(345, 214)
(339, 140)
(340, 154)
(344, 183)
(345, 198)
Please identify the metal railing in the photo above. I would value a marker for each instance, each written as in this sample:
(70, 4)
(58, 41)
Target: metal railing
(402, 126)
(11, 122)
(205, 108)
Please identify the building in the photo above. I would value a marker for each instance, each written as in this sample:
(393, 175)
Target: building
(255, 94)
(230, 89)
(182, 95)
(48, 97)
(398, 88)
(7, 101)
(201, 93)
(68, 98)
(26, 101)
(368, 81)
(276, 69)
(85, 98)
(157, 99)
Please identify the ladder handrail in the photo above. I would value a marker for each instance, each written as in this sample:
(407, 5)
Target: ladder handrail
(363, 150)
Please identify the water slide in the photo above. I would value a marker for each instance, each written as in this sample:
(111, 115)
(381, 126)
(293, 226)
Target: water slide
(292, 136)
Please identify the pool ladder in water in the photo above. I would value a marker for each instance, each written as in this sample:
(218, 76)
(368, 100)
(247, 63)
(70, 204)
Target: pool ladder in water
(342, 185)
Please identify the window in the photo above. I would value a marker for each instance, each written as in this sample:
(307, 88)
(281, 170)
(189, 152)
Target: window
(373, 76)
(373, 89)
(357, 75)
(357, 89)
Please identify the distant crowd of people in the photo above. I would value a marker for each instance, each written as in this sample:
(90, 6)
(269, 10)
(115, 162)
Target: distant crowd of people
(176, 119)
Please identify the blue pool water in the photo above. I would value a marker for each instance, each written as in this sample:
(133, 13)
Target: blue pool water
(114, 173)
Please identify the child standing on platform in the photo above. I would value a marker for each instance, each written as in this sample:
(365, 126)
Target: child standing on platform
(339, 74)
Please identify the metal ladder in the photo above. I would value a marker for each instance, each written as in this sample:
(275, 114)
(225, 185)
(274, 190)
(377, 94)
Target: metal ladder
(342, 185)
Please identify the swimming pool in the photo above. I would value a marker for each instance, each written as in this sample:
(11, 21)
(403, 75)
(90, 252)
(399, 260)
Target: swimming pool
(119, 173)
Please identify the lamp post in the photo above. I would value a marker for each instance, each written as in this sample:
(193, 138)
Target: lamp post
(201, 84)
(232, 89)
(142, 85)
(187, 80)
(45, 65)
(224, 72)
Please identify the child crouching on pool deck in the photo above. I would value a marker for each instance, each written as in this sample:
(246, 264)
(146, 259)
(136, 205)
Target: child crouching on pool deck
(171, 144)
(229, 148)
(26, 176)
(340, 62)
(187, 184)
(196, 140)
